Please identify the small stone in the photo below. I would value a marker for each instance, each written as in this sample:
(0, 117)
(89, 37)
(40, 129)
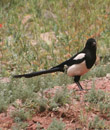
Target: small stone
(108, 75)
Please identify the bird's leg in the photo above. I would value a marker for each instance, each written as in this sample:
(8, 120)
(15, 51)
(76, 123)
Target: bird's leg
(76, 79)
(79, 86)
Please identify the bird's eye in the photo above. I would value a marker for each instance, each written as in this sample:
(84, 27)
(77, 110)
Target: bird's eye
(94, 43)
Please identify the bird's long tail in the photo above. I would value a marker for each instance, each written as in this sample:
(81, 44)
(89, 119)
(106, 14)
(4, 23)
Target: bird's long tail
(38, 73)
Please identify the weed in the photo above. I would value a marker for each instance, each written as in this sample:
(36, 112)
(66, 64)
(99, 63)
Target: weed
(19, 126)
(95, 96)
(42, 104)
(61, 98)
(56, 125)
(6, 96)
(97, 123)
(82, 117)
(20, 115)
(99, 100)
(77, 97)
(21, 30)
(104, 107)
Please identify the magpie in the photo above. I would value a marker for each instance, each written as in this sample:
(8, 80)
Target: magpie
(75, 67)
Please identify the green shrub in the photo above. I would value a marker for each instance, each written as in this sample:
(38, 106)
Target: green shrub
(95, 96)
(60, 98)
(20, 115)
(99, 100)
(56, 125)
(97, 124)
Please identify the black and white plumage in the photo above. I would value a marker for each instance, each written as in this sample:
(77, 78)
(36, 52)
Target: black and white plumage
(76, 66)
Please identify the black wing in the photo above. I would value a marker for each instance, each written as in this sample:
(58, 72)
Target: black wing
(70, 61)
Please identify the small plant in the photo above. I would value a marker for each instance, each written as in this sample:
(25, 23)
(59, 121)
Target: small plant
(21, 115)
(56, 125)
(61, 98)
(82, 117)
(77, 97)
(6, 96)
(97, 123)
(99, 100)
(104, 107)
(42, 104)
(3, 105)
(20, 126)
(95, 96)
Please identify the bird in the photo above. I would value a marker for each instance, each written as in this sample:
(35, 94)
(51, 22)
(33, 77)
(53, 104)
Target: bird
(75, 67)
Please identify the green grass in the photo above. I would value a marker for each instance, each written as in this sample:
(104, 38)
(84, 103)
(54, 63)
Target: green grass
(72, 24)
(98, 101)
(95, 96)
(97, 123)
(56, 125)
(61, 97)
(99, 105)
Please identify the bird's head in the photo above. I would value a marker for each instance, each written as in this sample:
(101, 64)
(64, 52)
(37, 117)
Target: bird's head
(91, 43)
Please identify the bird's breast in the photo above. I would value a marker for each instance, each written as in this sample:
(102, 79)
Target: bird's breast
(77, 69)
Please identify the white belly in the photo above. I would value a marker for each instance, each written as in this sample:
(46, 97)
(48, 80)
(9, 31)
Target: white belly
(77, 69)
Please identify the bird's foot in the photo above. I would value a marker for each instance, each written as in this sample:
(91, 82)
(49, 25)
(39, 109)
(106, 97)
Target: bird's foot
(79, 86)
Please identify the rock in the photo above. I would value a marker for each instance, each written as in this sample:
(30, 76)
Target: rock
(49, 15)
(48, 37)
(108, 75)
